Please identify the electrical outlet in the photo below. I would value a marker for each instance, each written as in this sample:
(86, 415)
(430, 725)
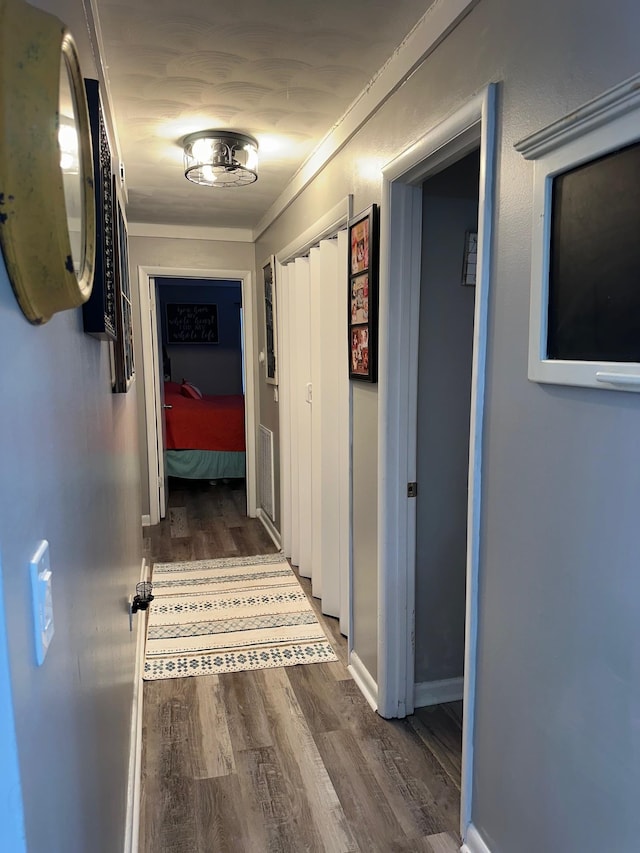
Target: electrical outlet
(41, 600)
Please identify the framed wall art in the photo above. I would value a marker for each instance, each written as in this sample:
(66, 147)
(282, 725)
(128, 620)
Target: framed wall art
(470, 259)
(99, 312)
(363, 295)
(191, 323)
(270, 321)
(124, 368)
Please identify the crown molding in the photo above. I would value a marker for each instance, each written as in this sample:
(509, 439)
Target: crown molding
(604, 109)
(434, 26)
(326, 226)
(191, 232)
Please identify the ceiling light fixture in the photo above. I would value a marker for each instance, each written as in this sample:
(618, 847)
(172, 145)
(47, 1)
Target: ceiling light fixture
(220, 158)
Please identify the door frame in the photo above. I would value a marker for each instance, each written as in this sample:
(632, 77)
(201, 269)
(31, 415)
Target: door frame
(151, 380)
(156, 362)
(470, 127)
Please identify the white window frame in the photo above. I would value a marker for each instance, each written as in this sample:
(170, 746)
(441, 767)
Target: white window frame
(605, 124)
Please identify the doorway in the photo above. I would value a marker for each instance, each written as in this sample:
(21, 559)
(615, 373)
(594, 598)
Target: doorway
(469, 128)
(202, 347)
(152, 366)
(445, 358)
(201, 354)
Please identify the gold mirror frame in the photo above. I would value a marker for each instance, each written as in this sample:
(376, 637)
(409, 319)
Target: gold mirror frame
(34, 231)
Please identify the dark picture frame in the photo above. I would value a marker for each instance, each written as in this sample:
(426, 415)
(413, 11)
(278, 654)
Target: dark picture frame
(99, 312)
(270, 321)
(362, 298)
(124, 368)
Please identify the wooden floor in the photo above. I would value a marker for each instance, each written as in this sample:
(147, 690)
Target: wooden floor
(290, 759)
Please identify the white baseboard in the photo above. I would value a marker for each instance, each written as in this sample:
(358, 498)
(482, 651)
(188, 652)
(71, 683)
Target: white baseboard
(146, 521)
(132, 826)
(436, 692)
(270, 527)
(473, 842)
(364, 680)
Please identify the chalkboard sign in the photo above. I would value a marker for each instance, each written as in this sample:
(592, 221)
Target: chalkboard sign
(192, 324)
(594, 292)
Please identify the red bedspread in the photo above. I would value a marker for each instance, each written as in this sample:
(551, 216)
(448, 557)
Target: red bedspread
(212, 423)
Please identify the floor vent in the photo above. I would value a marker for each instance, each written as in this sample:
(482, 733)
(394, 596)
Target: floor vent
(266, 495)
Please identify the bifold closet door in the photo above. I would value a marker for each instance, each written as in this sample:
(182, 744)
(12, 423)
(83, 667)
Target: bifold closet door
(284, 403)
(301, 408)
(317, 350)
(315, 407)
(328, 380)
(293, 418)
(343, 429)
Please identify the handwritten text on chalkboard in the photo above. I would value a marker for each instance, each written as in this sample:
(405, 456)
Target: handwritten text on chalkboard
(192, 324)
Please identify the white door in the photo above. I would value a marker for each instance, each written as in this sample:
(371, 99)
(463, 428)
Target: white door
(315, 423)
(329, 378)
(302, 388)
(317, 348)
(292, 395)
(343, 409)
(284, 391)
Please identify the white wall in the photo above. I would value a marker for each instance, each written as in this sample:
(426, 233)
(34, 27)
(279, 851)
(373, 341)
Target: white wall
(175, 253)
(69, 462)
(364, 628)
(557, 757)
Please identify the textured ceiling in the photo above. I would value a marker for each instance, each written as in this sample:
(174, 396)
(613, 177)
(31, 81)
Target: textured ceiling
(281, 70)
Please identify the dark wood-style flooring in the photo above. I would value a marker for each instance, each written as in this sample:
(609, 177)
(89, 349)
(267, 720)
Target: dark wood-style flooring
(290, 759)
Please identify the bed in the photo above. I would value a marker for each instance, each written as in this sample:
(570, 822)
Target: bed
(204, 434)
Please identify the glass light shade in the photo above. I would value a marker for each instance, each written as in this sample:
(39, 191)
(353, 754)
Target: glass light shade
(220, 158)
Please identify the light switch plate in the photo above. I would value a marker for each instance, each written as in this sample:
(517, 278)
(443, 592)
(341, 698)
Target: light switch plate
(41, 599)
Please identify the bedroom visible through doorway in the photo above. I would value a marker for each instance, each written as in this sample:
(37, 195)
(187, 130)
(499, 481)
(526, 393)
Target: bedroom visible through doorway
(200, 335)
(201, 364)
(200, 330)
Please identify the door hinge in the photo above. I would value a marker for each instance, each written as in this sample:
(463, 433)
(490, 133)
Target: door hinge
(412, 490)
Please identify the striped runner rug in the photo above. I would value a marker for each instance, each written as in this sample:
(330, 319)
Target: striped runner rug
(214, 616)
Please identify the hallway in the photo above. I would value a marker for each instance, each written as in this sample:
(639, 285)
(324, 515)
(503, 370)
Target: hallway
(288, 759)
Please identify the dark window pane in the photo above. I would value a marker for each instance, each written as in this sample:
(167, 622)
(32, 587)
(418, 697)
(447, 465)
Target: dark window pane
(594, 270)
